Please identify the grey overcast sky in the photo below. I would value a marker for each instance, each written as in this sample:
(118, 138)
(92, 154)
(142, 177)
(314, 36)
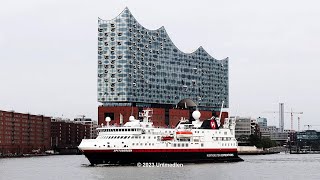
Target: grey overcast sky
(48, 51)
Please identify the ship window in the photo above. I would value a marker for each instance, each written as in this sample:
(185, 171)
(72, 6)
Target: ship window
(137, 144)
(178, 145)
(182, 145)
(225, 133)
(174, 145)
(187, 145)
(149, 144)
(146, 144)
(132, 144)
(144, 137)
(149, 137)
(201, 144)
(140, 144)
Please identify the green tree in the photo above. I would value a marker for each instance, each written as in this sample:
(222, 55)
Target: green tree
(261, 143)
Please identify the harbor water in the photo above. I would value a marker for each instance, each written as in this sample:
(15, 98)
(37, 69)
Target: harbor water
(275, 166)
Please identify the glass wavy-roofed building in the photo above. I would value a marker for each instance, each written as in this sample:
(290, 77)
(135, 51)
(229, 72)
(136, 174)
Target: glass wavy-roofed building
(142, 67)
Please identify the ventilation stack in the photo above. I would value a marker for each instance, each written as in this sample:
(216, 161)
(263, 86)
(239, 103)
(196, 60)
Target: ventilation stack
(281, 117)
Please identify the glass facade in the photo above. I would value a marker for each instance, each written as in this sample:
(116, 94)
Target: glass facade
(144, 66)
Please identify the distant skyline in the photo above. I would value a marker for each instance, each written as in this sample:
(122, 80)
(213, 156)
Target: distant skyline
(48, 56)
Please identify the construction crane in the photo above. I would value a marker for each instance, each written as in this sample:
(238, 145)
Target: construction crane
(291, 114)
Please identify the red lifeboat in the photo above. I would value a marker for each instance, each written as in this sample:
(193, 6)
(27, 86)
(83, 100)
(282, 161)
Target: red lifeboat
(167, 138)
(184, 134)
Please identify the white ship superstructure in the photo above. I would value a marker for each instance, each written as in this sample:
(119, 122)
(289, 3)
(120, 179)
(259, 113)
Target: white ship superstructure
(139, 141)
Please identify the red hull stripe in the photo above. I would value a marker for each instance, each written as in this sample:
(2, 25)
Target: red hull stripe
(161, 150)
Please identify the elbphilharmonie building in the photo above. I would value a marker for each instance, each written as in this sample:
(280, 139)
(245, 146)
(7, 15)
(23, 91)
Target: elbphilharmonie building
(138, 67)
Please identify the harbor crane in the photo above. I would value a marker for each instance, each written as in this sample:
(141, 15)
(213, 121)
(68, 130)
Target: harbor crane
(291, 114)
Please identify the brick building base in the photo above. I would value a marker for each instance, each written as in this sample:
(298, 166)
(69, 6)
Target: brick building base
(159, 117)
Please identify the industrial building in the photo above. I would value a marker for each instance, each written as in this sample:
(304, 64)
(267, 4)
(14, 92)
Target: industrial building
(140, 68)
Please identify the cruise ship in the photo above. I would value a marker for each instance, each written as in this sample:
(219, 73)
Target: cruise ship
(138, 141)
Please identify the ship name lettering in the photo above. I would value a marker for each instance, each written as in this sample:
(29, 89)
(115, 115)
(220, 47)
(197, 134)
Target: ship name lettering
(219, 155)
(122, 150)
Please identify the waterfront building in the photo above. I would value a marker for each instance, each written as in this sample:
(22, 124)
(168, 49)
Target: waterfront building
(66, 135)
(23, 133)
(243, 127)
(140, 68)
(262, 122)
(88, 121)
(275, 134)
